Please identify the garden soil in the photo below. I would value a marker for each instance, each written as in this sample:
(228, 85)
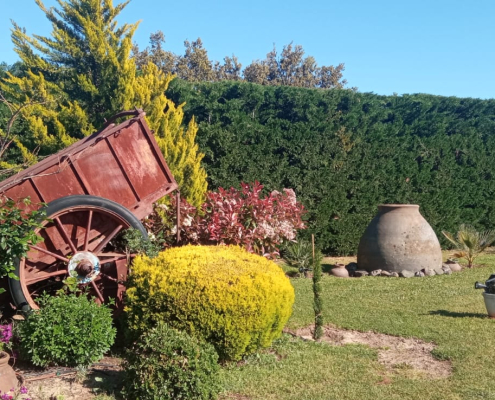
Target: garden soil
(103, 378)
(396, 353)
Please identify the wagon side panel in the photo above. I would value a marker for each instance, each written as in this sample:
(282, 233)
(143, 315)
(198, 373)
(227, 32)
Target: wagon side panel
(58, 181)
(102, 176)
(23, 190)
(143, 166)
(121, 163)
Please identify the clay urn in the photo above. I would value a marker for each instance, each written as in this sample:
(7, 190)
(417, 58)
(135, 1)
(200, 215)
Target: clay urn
(8, 379)
(340, 271)
(398, 239)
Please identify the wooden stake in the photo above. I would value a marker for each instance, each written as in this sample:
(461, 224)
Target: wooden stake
(313, 244)
(177, 201)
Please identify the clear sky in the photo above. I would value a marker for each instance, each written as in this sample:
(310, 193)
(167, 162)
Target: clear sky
(442, 47)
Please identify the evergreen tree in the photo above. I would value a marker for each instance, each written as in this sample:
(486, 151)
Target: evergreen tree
(86, 72)
(175, 141)
(230, 70)
(194, 65)
(155, 53)
(291, 68)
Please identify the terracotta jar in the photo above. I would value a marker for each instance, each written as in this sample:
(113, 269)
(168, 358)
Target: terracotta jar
(340, 271)
(8, 380)
(398, 239)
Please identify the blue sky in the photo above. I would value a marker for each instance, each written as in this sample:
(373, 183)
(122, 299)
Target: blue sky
(442, 47)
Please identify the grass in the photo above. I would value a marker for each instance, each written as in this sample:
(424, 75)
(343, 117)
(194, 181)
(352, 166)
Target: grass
(445, 309)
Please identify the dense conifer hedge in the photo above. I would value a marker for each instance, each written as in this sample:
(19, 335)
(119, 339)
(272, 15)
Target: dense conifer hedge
(345, 152)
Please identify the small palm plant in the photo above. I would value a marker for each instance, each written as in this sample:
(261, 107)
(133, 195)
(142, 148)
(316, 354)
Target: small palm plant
(300, 255)
(470, 243)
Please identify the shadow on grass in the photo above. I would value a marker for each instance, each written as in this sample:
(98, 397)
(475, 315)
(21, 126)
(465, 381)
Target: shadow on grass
(326, 267)
(293, 274)
(454, 314)
(105, 382)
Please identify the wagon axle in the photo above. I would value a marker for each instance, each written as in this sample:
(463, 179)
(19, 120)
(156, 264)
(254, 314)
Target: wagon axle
(84, 266)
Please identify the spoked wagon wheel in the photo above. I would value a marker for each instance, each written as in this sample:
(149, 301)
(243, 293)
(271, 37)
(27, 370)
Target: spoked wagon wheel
(78, 240)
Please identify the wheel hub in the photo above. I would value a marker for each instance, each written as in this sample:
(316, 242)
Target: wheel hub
(84, 266)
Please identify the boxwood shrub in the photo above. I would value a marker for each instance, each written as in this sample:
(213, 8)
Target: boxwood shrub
(168, 364)
(235, 300)
(67, 330)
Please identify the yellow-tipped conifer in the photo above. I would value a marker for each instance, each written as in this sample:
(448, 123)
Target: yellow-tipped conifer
(84, 73)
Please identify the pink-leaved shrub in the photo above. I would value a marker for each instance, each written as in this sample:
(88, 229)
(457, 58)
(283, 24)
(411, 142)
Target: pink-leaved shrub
(242, 217)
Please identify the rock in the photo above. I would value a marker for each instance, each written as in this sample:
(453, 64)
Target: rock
(429, 272)
(446, 270)
(385, 273)
(376, 272)
(406, 273)
(439, 271)
(419, 274)
(352, 268)
(453, 265)
(360, 273)
(394, 274)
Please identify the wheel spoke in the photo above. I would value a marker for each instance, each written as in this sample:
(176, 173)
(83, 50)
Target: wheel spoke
(113, 257)
(98, 293)
(110, 278)
(107, 239)
(88, 229)
(42, 250)
(65, 235)
(45, 276)
(112, 254)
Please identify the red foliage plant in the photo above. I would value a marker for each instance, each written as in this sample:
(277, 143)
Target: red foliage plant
(241, 217)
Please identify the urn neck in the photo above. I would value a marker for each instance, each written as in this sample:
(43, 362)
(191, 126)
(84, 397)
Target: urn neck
(383, 208)
(4, 358)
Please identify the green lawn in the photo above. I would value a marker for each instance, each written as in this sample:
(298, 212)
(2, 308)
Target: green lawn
(446, 310)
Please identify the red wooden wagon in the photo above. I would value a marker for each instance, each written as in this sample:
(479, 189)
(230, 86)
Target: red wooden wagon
(94, 190)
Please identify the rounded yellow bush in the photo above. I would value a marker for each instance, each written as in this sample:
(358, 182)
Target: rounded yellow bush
(235, 300)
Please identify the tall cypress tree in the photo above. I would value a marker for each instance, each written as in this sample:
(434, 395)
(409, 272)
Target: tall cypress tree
(176, 141)
(88, 75)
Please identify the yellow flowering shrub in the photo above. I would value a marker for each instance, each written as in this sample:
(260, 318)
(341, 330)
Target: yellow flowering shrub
(235, 300)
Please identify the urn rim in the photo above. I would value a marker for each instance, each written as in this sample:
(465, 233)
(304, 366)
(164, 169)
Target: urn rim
(393, 206)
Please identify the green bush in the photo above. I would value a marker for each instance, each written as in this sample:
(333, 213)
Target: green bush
(67, 330)
(168, 364)
(16, 233)
(235, 300)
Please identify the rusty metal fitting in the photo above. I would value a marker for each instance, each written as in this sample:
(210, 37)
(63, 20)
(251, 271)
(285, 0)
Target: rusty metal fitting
(84, 268)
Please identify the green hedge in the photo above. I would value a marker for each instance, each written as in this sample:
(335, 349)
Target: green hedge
(345, 152)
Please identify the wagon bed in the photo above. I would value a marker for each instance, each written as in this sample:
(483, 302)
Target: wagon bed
(94, 190)
(121, 163)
